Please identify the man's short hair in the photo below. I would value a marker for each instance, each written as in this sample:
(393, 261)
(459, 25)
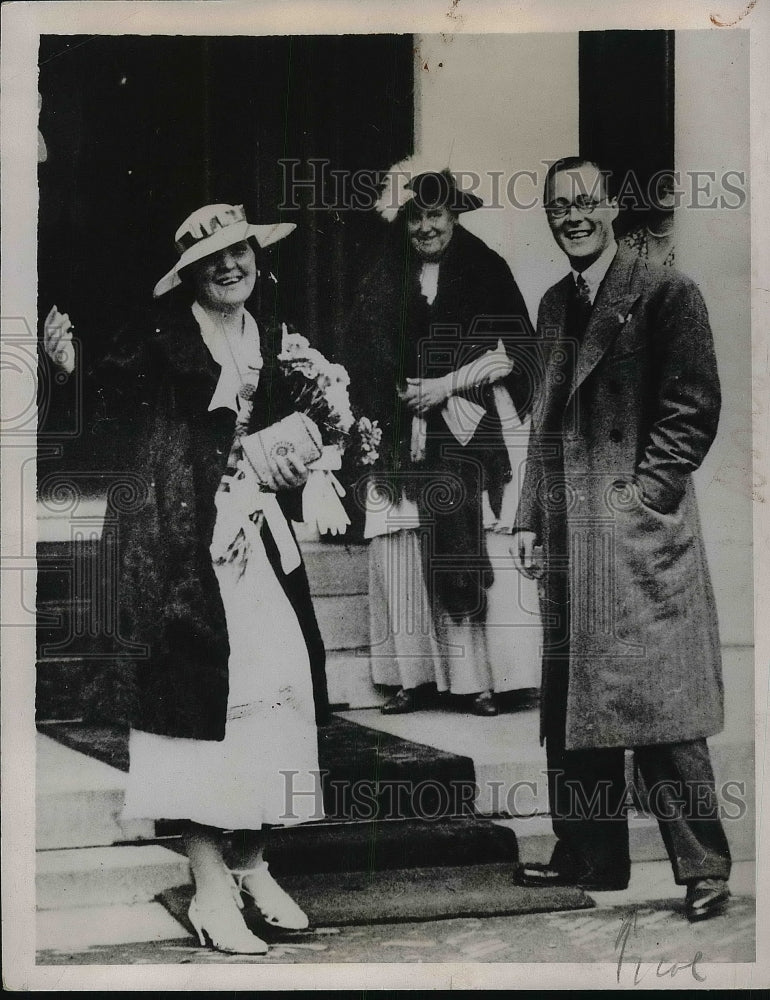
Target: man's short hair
(567, 163)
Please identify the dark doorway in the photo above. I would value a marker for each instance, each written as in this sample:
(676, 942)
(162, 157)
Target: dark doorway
(140, 131)
(627, 110)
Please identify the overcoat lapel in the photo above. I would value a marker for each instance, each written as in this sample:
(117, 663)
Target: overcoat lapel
(614, 301)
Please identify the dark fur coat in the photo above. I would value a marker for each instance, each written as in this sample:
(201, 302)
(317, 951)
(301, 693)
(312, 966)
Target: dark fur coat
(169, 601)
(398, 336)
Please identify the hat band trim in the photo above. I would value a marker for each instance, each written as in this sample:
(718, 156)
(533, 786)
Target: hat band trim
(187, 240)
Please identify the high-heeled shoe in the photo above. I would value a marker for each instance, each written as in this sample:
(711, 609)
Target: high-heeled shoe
(275, 905)
(223, 929)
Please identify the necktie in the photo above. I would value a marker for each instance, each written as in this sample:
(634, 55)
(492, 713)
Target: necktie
(582, 306)
(578, 314)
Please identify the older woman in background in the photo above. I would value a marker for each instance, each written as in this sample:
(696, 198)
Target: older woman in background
(440, 325)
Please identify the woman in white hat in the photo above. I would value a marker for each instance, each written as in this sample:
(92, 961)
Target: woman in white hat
(229, 671)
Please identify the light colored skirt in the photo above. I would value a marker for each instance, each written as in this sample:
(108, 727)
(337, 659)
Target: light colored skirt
(514, 631)
(413, 643)
(238, 783)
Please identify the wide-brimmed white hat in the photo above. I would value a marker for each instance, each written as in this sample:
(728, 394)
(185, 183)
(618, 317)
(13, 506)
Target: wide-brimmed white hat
(213, 228)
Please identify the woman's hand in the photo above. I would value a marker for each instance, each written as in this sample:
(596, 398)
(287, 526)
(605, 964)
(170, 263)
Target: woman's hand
(57, 340)
(287, 472)
(423, 394)
(527, 556)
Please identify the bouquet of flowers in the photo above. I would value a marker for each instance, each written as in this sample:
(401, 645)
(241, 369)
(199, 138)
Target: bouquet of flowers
(318, 428)
(319, 389)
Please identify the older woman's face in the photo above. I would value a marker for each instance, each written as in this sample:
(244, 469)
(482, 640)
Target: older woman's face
(225, 280)
(430, 230)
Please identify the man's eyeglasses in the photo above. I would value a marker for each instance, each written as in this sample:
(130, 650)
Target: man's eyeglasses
(561, 209)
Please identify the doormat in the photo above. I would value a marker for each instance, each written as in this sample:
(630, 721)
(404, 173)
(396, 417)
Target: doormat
(338, 899)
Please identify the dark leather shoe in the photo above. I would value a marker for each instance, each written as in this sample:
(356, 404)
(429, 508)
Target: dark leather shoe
(484, 704)
(403, 701)
(707, 897)
(535, 875)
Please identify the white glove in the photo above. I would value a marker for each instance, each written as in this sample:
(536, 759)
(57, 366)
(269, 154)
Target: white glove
(491, 367)
(331, 458)
(57, 340)
(419, 439)
(321, 507)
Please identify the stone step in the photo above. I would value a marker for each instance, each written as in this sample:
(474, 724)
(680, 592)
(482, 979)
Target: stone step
(67, 685)
(349, 680)
(536, 840)
(75, 627)
(72, 628)
(343, 620)
(510, 765)
(70, 568)
(101, 876)
(79, 798)
(78, 801)
(336, 569)
(81, 928)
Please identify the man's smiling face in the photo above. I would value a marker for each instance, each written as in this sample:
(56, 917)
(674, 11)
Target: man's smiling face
(580, 214)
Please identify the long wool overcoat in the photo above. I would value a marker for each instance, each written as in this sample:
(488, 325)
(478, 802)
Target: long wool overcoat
(627, 601)
(397, 335)
(169, 600)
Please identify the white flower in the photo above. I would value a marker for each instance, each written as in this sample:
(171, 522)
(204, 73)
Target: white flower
(338, 375)
(292, 344)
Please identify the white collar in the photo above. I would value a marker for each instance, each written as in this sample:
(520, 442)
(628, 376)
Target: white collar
(429, 280)
(238, 355)
(594, 274)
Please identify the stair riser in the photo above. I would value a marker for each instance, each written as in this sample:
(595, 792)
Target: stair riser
(107, 883)
(536, 840)
(86, 819)
(349, 680)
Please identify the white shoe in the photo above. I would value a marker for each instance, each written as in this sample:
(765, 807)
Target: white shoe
(276, 906)
(223, 929)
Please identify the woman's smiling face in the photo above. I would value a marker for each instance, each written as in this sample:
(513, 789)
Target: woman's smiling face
(225, 279)
(430, 230)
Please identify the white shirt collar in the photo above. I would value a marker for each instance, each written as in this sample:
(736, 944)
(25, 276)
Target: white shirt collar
(595, 274)
(429, 280)
(238, 356)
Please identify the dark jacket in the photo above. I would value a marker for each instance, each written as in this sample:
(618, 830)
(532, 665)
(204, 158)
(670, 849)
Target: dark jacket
(169, 601)
(398, 336)
(627, 599)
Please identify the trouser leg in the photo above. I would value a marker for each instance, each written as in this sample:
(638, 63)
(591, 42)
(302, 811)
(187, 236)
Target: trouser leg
(586, 790)
(682, 795)
(586, 793)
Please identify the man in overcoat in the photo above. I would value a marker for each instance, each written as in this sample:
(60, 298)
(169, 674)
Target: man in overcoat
(608, 520)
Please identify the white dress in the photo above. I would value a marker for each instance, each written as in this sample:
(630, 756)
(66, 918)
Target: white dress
(265, 771)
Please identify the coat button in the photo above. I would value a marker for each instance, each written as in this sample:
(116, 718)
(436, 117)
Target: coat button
(616, 435)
